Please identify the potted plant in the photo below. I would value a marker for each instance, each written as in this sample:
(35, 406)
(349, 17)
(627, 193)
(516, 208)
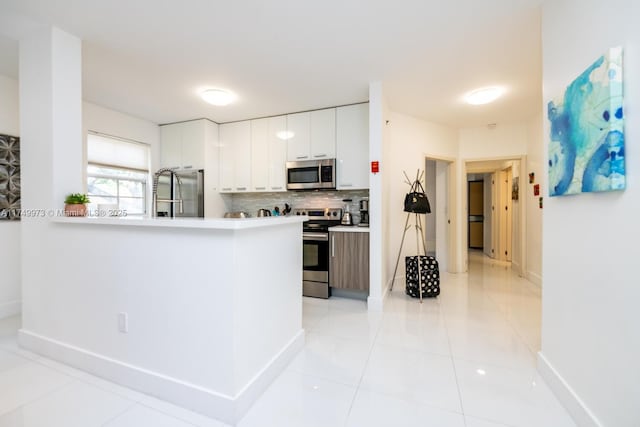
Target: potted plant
(75, 204)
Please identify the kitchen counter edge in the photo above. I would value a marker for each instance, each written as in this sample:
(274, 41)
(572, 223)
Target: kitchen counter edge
(349, 229)
(200, 223)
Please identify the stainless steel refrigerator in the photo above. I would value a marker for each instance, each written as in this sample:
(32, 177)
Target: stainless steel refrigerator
(186, 185)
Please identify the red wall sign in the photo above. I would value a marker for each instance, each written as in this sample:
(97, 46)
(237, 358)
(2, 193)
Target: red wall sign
(375, 167)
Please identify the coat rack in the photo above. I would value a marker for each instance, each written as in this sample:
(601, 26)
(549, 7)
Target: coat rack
(414, 208)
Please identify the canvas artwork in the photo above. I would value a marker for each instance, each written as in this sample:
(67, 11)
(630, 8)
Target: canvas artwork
(586, 150)
(9, 177)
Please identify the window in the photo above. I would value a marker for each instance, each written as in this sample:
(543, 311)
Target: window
(117, 173)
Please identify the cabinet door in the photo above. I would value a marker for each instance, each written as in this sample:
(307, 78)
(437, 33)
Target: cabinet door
(352, 146)
(170, 146)
(242, 155)
(260, 154)
(277, 154)
(298, 144)
(193, 140)
(226, 153)
(349, 260)
(323, 134)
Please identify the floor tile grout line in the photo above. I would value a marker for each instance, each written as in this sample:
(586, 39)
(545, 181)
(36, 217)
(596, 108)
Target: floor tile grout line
(113, 418)
(455, 373)
(45, 395)
(366, 363)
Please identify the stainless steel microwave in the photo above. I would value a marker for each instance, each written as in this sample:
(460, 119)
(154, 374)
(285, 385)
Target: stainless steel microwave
(311, 175)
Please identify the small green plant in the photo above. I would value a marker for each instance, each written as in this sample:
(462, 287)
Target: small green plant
(77, 199)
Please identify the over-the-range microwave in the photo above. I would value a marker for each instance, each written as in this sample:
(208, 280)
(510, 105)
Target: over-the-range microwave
(311, 175)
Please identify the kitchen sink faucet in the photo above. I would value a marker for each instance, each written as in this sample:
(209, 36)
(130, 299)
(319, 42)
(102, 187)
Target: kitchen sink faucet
(156, 177)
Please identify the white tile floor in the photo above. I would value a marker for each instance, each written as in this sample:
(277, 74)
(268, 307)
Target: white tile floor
(463, 359)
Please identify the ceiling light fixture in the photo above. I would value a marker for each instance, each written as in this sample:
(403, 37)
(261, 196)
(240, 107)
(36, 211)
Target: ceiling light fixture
(484, 95)
(218, 97)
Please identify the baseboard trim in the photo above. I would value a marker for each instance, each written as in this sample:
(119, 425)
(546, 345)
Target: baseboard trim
(578, 410)
(377, 303)
(228, 409)
(534, 278)
(10, 308)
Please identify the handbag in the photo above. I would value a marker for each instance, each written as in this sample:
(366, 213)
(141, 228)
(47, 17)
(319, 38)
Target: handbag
(416, 200)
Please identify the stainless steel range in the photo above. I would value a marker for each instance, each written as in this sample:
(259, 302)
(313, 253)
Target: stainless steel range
(315, 250)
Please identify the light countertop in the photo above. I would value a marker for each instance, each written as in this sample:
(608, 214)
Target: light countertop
(202, 223)
(349, 229)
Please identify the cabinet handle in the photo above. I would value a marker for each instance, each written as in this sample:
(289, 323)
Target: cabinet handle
(241, 188)
(320, 155)
(188, 167)
(226, 189)
(261, 188)
(302, 157)
(333, 246)
(276, 188)
(346, 185)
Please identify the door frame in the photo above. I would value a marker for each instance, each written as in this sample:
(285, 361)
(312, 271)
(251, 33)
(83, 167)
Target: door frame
(521, 263)
(453, 261)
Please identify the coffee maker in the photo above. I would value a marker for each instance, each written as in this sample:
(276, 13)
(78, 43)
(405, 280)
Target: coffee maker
(364, 213)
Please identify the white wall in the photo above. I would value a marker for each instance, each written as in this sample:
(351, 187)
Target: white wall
(100, 119)
(591, 321)
(412, 140)
(9, 230)
(504, 140)
(534, 213)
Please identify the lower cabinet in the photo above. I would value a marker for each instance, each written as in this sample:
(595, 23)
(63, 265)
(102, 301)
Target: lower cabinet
(349, 260)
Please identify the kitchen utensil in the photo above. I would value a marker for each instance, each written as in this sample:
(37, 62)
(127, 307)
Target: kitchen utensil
(364, 213)
(236, 215)
(264, 212)
(346, 214)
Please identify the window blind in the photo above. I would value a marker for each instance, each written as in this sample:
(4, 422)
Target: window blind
(115, 152)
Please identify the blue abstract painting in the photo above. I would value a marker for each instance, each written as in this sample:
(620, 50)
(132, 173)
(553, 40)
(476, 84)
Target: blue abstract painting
(586, 149)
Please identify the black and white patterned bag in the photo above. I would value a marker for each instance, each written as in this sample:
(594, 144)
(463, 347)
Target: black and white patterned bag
(430, 276)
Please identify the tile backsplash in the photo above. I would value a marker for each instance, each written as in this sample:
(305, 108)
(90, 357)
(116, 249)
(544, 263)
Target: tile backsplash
(251, 202)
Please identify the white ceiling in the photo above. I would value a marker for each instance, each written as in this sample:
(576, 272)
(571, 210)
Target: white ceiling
(149, 57)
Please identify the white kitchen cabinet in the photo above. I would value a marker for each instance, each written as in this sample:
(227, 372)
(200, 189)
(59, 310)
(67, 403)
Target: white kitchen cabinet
(182, 145)
(323, 134)
(259, 155)
(235, 157)
(171, 146)
(277, 154)
(352, 147)
(313, 135)
(299, 142)
(268, 154)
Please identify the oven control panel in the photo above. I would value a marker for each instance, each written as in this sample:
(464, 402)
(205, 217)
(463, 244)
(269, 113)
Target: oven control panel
(320, 213)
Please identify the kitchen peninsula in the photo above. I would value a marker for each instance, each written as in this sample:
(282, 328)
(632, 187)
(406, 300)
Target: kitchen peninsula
(203, 313)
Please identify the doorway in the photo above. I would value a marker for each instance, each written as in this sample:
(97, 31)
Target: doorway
(438, 233)
(492, 184)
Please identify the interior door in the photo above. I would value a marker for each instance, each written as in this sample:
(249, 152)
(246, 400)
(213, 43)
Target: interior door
(476, 214)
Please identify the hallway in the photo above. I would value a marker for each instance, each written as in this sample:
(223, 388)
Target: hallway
(465, 359)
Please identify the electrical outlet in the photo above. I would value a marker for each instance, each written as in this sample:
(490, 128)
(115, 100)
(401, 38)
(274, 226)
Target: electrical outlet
(123, 322)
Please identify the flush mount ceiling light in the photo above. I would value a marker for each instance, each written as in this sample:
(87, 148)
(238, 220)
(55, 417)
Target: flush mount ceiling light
(484, 95)
(219, 97)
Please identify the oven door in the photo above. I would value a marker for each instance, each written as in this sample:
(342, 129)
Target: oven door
(315, 264)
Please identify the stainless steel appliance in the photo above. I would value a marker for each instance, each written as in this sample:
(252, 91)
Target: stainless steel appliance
(179, 194)
(315, 250)
(311, 175)
(347, 219)
(364, 213)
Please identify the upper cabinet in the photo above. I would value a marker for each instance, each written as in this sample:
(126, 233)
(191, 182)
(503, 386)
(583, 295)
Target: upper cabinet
(268, 154)
(352, 141)
(312, 135)
(182, 145)
(235, 156)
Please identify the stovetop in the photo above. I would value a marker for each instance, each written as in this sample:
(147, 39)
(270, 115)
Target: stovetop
(319, 219)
